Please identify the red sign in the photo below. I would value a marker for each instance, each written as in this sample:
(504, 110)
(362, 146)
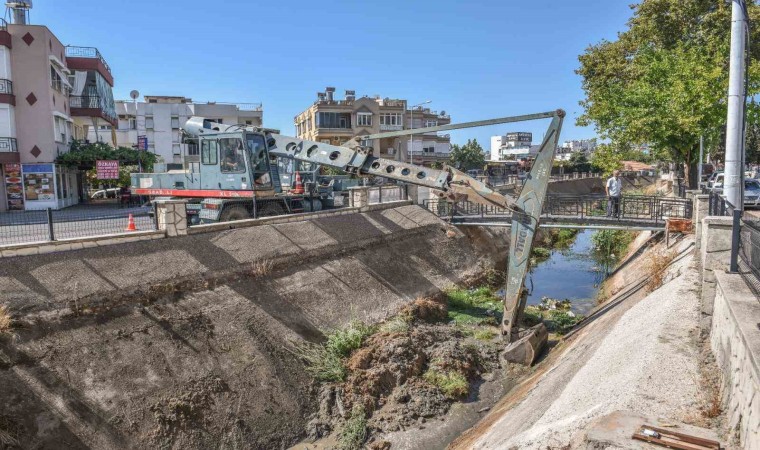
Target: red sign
(107, 169)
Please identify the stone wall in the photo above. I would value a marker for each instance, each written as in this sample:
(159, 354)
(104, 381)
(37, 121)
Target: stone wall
(735, 341)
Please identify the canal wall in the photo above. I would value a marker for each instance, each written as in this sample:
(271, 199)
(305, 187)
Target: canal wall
(192, 342)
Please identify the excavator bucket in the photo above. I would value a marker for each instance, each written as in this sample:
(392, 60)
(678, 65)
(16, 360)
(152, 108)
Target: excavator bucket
(526, 344)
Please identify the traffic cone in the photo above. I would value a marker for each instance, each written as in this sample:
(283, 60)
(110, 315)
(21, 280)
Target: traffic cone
(299, 186)
(131, 224)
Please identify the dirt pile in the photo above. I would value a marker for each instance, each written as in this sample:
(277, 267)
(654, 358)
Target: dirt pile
(412, 369)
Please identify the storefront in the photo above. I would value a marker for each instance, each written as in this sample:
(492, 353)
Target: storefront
(40, 186)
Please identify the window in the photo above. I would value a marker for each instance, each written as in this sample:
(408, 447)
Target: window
(366, 143)
(55, 79)
(216, 120)
(149, 123)
(208, 152)
(333, 120)
(175, 122)
(431, 123)
(192, 148)
(364, 119)
(132, 123)
(428, 149)
(61, 127)
(249, 122)
(176, 150)
(259, 161)
(104, 127)
(233, 155)
(392, 119)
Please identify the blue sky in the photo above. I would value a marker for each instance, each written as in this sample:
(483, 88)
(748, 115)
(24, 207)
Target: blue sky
(474, 59)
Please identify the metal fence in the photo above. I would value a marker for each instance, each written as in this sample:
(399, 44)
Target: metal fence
(29, 227)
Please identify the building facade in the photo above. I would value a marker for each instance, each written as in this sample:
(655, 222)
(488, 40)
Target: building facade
(335, 121)
(157, 121)
(513, 145)
(568, 148)
(49, 95)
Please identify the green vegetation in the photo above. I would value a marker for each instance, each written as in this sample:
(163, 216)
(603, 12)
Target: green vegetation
(611, 245)
(453, 384)
(474, 306)
(554, 313)
(83, 155)
(354, 431)
(468, 156)
(397, 325)
(484, 334)
(541, 252)
(663, 80)
(325, 362)
(342, 342)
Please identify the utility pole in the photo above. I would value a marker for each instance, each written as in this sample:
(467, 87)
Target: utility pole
(701, 160)
(733, 186)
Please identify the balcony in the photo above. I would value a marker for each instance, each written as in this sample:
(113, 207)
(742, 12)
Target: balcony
(8, 150)
(92, 106)
(5, 37)
(88, 58)
(6, 92)
(390, 127)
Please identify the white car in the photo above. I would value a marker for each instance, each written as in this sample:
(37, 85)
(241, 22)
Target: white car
(106, 193)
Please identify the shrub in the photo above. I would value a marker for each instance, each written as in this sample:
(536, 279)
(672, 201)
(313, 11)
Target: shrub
(354, 431)
(453, 384)
(612, 244)
(322, 364)
(541, 252)
(563, 321)
(342, 342)
(531, 316)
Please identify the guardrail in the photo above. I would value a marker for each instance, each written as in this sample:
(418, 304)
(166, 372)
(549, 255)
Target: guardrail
(90, 102)
(6, 87)
(654, 210)
(8, 145)
(30, 227)
(73, 51)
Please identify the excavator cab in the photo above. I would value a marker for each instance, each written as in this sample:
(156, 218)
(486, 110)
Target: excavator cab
(235, 161)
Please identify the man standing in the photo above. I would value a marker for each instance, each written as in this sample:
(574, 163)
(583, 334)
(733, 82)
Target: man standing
(614, 189)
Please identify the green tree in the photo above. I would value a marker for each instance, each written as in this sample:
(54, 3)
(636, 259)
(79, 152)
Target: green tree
(578, 162)
(606, 159)
(664, 80)
(83, 156)
(468, 156)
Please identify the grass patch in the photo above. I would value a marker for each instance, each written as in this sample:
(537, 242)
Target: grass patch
(532, 316)
(474, 306)
(453, 384)
(562, 321)
(5, 320)
(396, 325)
(354, 431)
(342, 342)
(484, 334)
(541, 252)
(326, 362)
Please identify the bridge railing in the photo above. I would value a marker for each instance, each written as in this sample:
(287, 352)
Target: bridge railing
(650, 209)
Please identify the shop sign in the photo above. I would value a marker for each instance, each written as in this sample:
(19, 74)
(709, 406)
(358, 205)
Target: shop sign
(14, 187)
(107, 169)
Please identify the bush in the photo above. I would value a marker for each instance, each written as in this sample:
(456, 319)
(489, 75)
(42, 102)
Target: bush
(612, 244)
(541, 252)
(354, 431)
(563, 321)
(452, 384)
(342, 342)
(531, 316)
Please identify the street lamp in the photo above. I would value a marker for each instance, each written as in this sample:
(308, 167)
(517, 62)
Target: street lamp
(411, 126)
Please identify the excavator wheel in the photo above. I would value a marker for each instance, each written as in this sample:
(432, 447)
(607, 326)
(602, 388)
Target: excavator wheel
(237, 212)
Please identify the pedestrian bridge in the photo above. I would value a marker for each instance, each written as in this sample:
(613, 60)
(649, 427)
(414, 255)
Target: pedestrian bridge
(573, 211)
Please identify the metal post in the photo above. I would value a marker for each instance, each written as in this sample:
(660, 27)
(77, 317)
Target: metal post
(51, 233)
(155, 214)
(701, 157)
(733, 183)
(735, 236)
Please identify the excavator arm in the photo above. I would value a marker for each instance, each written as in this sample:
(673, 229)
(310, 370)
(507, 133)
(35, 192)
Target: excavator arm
(454, 185)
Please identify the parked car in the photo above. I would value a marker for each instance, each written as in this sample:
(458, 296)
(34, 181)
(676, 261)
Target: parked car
(711, 181)
(751, 193)
(105, 193)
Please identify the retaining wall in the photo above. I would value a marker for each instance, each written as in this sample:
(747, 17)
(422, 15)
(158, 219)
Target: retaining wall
(192, 342)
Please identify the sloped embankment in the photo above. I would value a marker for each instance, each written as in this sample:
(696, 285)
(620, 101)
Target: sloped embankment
(188, 342)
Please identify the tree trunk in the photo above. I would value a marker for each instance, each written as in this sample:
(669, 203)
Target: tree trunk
(691, 173)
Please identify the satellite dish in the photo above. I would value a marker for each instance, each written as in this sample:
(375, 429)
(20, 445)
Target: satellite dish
(134, 95)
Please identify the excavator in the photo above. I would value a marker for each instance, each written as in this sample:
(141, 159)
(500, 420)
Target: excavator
(236, 180)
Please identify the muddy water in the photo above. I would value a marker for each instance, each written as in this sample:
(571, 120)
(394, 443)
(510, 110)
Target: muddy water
(572, 273)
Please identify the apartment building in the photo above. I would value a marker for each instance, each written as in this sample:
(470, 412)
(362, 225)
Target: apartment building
(566, 150)
(49, 94)
(336, 121)
(512, 146)
(158, 119)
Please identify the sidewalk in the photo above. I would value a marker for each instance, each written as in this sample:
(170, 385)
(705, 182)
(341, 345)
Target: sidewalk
(72, 214)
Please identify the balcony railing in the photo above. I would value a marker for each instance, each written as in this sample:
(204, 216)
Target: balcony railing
(8, 145)
(3, 25)
(6, 87)
(91, 102)
(86, 52)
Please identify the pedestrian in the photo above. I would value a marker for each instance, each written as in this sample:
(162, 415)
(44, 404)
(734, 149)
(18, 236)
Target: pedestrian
(614, 189)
